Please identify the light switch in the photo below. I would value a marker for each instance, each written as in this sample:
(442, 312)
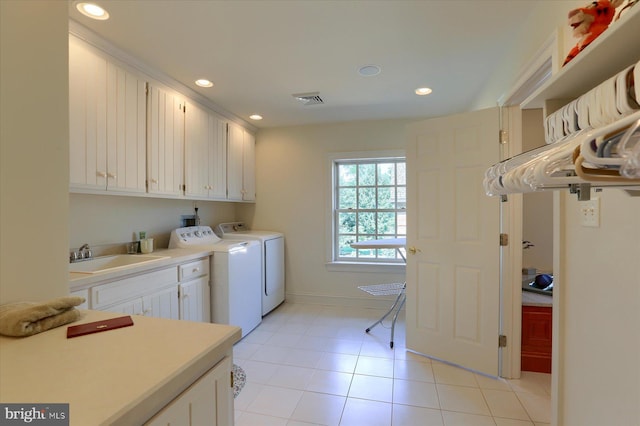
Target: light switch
(590, 213)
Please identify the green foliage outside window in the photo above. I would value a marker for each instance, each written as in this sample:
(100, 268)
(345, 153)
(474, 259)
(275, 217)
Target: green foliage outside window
(370, 200)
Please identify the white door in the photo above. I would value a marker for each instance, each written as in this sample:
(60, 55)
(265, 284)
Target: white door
(453, 289)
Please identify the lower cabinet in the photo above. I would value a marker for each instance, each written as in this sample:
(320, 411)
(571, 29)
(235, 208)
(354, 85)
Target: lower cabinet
(180, 292)
(536, 338)
(208, 401)
(160, 304)
(193, 304)
(194, 291)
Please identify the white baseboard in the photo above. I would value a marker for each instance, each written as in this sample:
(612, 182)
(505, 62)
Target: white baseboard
(381, 302)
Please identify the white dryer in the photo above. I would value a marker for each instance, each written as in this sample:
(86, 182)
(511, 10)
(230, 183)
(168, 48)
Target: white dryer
(272, 244)
(236, 276)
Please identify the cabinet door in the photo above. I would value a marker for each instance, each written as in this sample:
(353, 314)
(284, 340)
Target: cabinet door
(193, 304)
(82, 293)
(126, 131)
(213, 386)
(217, 158)
(87, 118)
(209, 401)
(248, 167)
(234, 162)
(176, 413)
(165, 142)
(132, 307)
(196, 145)
(162, 304)
(107, 122)
(240, 164)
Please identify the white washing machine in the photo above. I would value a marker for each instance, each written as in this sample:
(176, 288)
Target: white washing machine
(272, 244)
(236, 275)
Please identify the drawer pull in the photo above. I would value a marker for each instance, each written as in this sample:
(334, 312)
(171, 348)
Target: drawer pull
(196, 270)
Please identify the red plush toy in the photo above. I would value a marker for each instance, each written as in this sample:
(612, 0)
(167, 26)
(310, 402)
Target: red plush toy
(589, 22)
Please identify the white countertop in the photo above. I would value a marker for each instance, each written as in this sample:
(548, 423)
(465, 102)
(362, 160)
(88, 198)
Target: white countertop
(121, 376)
(177, 256)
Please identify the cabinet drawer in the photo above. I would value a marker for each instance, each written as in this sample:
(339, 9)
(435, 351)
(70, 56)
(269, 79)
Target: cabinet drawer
(192, 270)
(128, 288)
(82, 293)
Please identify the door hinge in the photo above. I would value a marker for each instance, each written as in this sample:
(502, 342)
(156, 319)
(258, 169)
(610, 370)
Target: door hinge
(231, 384)
(503, 137)
(502, 341)
(504, 239)
(504, 198)
(146, 88)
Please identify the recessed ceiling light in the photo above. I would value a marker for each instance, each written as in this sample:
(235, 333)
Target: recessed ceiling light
(203, 82)
(422, 91)
(369, 70)
(92, 10)
(255, 117)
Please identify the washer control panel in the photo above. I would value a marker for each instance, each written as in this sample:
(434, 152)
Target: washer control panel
(192, 236)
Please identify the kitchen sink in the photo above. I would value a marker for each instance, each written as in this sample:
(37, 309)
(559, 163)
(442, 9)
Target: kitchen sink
(112, 263)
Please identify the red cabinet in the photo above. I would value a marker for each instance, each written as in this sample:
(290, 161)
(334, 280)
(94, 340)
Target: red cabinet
(536, 338)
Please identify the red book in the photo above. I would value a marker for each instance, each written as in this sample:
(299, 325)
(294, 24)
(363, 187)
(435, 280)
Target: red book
(98, 326)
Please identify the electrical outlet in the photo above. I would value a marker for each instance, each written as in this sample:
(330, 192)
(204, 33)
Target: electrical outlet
(590, 213)
(188, 220)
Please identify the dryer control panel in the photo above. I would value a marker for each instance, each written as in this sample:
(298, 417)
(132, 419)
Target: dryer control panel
(230, 228)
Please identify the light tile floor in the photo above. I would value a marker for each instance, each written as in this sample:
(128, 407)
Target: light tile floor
(315, 365)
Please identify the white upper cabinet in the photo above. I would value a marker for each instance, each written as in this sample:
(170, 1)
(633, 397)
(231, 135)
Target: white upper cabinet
(107, 123)
(249, 167)
(165, 146)
(240, 164)
(132, 135)
(205, 154)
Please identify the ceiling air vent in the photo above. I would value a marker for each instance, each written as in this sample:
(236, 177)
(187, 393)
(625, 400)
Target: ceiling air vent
(312, 98)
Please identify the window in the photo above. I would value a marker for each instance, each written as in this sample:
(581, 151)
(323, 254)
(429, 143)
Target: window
(369, 202)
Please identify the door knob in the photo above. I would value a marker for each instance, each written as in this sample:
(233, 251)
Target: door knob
(414, 250)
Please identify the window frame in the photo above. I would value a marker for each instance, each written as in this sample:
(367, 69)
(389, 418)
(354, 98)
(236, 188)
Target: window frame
(358, 263)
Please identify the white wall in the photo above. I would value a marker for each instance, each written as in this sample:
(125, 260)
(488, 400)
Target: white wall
(34, 150)
(292, 185)
(598, 365)
(105, 220)
(546, 17)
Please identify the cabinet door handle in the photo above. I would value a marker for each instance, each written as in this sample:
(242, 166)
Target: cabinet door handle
(101, 174)
(196, 270)
(111, 175)
(154, 180)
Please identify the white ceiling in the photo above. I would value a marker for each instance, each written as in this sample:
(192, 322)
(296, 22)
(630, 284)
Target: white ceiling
(258, 53)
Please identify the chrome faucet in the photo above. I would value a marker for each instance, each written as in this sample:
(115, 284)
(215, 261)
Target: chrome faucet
(83, 253)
